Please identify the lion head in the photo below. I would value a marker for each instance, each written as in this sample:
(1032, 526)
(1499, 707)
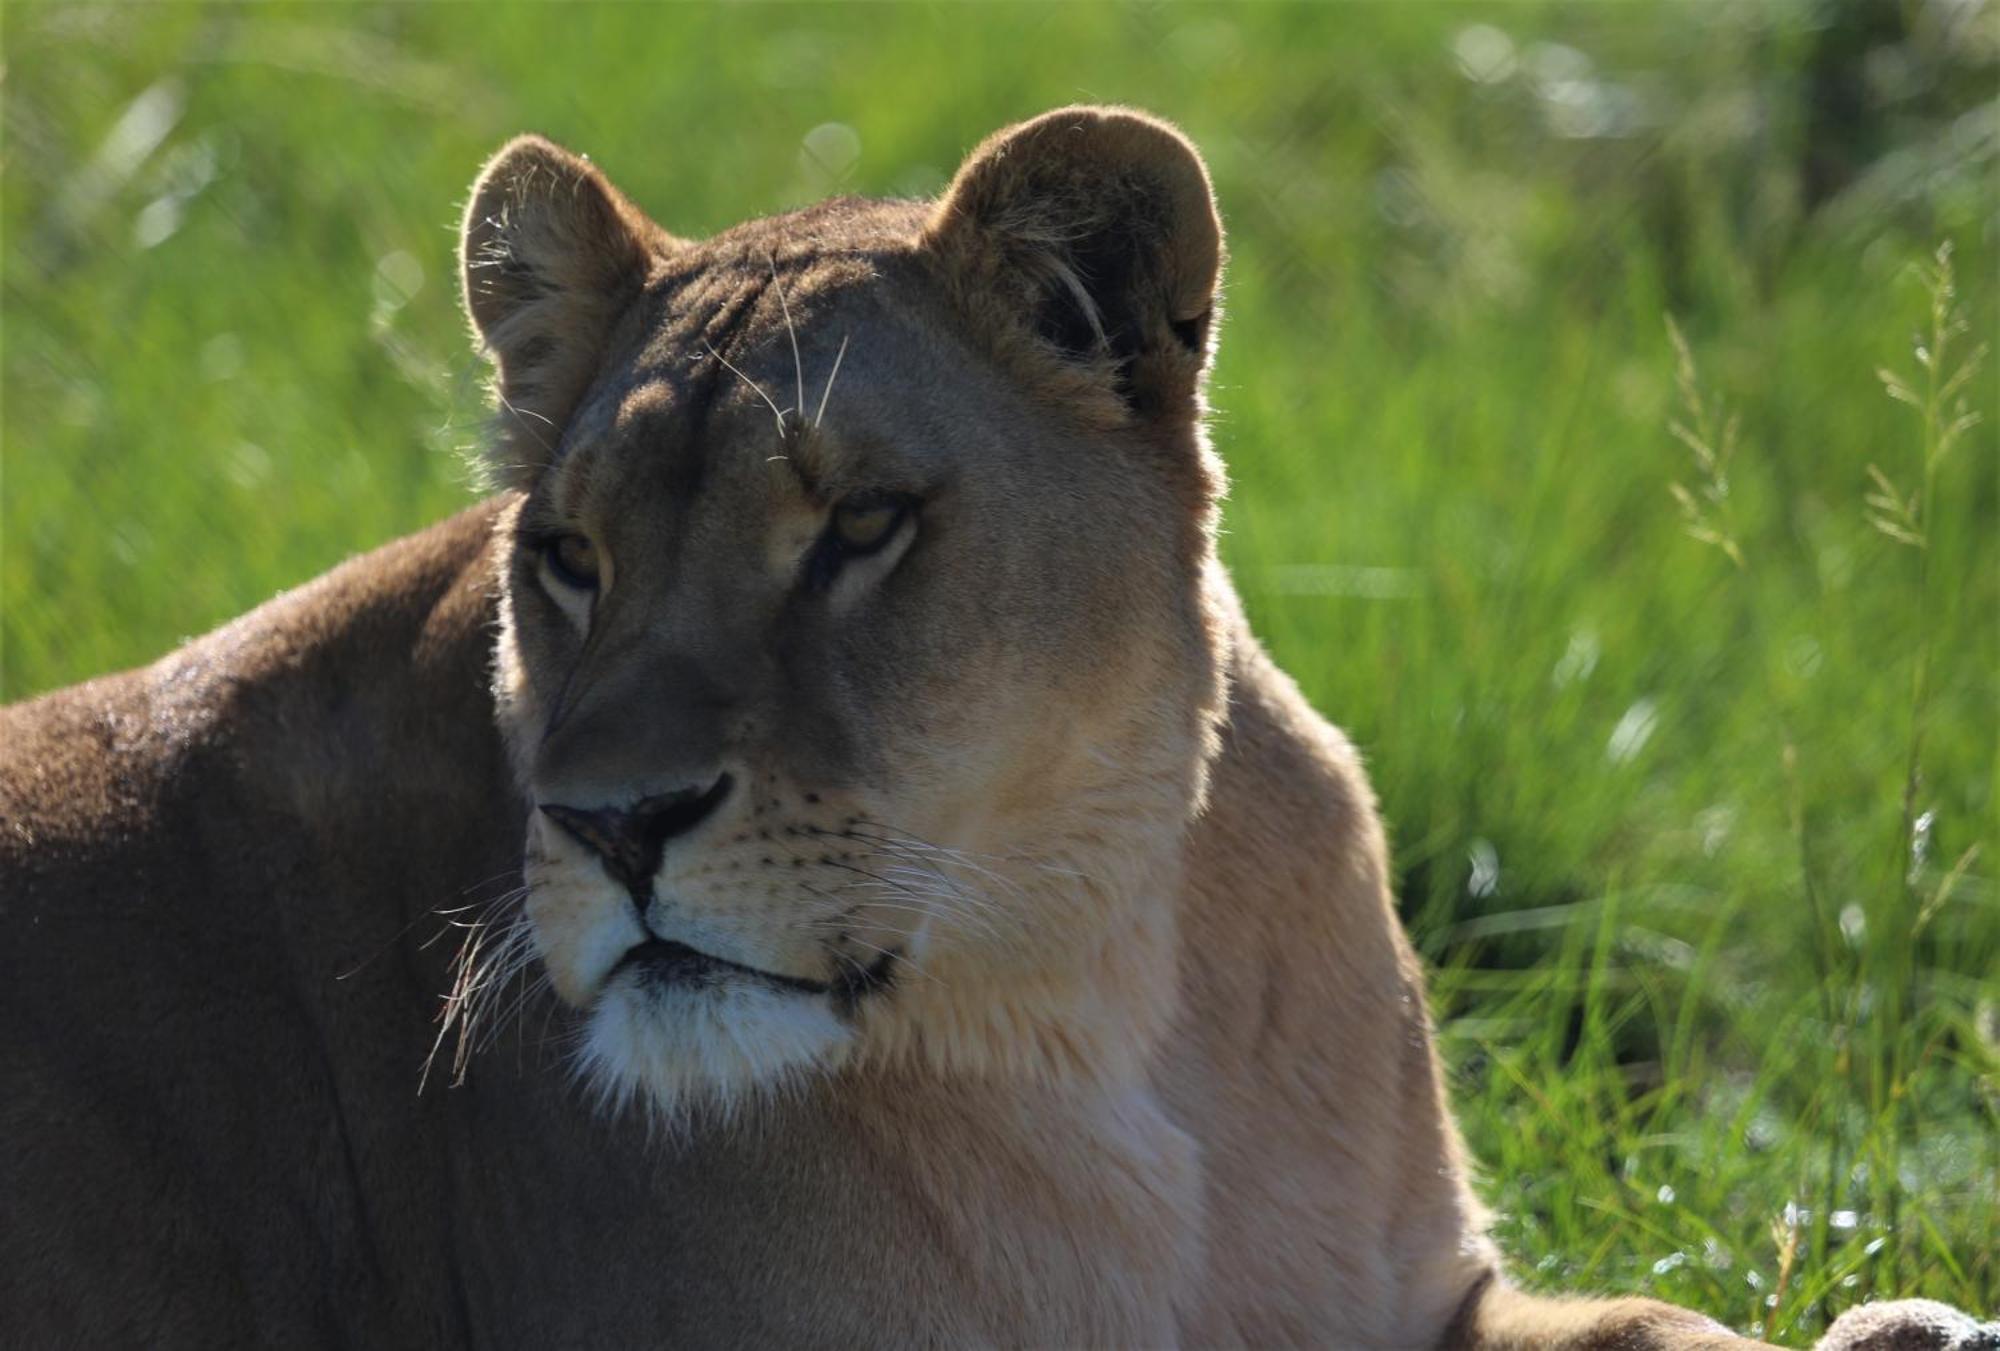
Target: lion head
(858, 651)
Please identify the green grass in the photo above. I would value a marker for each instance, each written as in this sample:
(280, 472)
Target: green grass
(1718, 1031)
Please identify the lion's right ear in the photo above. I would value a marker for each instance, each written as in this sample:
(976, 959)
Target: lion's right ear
(551, 255)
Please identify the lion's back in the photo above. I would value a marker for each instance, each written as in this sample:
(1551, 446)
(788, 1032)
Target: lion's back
(89, 872)
(192, 855)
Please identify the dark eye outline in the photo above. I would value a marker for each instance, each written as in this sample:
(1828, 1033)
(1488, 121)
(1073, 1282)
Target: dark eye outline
(551, 550)
(897, 507)
(834, 551)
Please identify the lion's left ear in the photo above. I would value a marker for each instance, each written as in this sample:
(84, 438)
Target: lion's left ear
(1094, 232)
(551, 256)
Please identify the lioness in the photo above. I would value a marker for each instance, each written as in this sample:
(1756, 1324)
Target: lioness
(964, 933)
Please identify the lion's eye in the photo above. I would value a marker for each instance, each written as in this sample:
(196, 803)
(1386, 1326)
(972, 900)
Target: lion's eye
(864, 523)
(573, 560)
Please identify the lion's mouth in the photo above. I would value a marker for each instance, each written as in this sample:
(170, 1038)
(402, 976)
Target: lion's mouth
(663, 962)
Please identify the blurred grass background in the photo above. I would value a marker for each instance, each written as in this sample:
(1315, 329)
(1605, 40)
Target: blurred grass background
(1704, 864)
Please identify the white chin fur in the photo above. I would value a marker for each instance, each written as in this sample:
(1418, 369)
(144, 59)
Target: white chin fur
(704, 1047)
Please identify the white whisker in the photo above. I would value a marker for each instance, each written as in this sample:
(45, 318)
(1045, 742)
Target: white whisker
(831, 375)
(770, 402)
(798, 366)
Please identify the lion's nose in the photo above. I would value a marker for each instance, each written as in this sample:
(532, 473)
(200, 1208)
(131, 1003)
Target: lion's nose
(629, 839)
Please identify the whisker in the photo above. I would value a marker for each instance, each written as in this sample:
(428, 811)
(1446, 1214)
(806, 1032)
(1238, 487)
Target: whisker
(972, 905)
(523, 414)
(969, 859)
(798, 367)
(831, 375)
(838, 927)
(944, 890)
(494, 958)
(404, 932)
(903, 960)
(515, 1012)
(904, 872)
(769, 402)
(971, 921)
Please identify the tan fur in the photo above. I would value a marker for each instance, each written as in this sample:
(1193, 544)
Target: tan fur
(1146, 1058)
(1238, 1017)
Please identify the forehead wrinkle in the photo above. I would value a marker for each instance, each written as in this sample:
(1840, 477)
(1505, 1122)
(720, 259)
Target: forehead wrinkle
(720, 309)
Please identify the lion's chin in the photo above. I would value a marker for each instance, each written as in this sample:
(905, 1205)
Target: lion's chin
(680, 1050)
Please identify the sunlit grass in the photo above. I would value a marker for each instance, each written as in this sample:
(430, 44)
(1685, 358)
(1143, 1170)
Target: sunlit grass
(1717, 1031)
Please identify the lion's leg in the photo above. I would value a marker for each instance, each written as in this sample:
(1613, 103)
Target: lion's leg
(1498, 1317)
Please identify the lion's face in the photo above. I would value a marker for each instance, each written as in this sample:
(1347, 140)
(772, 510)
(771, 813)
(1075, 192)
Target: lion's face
(854, 651)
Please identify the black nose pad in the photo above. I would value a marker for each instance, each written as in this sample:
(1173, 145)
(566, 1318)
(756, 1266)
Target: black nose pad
(629, 840)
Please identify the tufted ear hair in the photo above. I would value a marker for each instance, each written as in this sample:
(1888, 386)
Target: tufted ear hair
(1090, 236)
(550, 257)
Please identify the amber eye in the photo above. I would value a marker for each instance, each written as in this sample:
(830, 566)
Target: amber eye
(865, 522)
(573, 560)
